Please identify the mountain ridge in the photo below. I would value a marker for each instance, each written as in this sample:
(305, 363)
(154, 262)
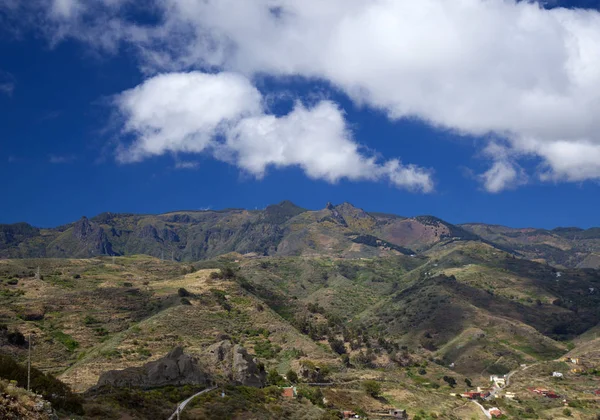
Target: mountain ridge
(286, 229)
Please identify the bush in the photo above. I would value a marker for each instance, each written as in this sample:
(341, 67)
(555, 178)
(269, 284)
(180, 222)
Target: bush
(567, 412)
(90, 320)
(337, 345)
(450, 380)
(183, 293)
(372, 388)
(185, 301)
(13, 282)
(274, 378)
(292, 376)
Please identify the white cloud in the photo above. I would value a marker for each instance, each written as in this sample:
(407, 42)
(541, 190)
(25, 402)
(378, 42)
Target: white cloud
(505, 173)
(60, 159)
(511, 68)
(186, 165)
(223, 114)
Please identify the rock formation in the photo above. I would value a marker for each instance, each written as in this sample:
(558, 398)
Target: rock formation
(176, 368)
(237, 364)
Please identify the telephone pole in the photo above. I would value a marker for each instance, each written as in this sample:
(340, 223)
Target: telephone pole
(29, 365)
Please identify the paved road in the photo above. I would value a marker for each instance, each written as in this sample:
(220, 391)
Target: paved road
(182, 404)
(485, 412)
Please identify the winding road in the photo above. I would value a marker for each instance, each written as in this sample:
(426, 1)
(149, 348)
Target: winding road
(182, 404)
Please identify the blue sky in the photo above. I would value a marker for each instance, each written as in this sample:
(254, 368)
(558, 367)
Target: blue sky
(428, 137)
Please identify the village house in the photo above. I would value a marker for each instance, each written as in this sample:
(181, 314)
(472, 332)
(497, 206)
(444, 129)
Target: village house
(289, 392)
(347, 414)
(398, 414)
(498, 380)
(557, 375)
(495, 412)
(471, 395)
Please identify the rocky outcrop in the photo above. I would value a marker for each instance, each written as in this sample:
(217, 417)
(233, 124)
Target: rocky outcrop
(176, 368)
(17, 404)
(237, 364)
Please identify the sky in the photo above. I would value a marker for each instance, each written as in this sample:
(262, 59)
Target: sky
(472, 110)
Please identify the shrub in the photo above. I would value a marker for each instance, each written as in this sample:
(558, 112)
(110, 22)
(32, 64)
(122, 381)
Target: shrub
(183, 292)
(90, 320)
(274, 378)
(292, 376)
(185, 301)
(13, 282)
(450, 380)
(567, 412)
(337, 345)
(372, 388)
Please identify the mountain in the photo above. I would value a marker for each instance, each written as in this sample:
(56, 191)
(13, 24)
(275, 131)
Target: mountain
(339, 295)
(567, 247)
(282, 229)
(286, 229)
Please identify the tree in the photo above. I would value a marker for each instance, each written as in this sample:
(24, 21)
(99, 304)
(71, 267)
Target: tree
(468, 382)
(372, 388)
(274, 378)
(450, 380)
(292, 376)
(337, 345)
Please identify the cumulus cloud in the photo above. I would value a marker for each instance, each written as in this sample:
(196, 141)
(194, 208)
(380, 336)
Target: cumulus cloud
(223, 114)
(505, 173)
(511, 68)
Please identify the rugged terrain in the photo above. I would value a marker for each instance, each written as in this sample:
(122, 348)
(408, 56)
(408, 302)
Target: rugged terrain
(244, 299)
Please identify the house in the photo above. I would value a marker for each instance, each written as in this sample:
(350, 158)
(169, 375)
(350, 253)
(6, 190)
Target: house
(498, 380)
(398, 414)
(289, 392)
(510, 395)
(349, 414)
(551, 394)
(471, 395)
(557, 375)
(577, 370)
(483, 393)
(495, 412)
(575, 360)
(540, 391)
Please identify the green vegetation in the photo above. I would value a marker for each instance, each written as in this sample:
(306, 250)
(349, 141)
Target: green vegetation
(372, 388)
